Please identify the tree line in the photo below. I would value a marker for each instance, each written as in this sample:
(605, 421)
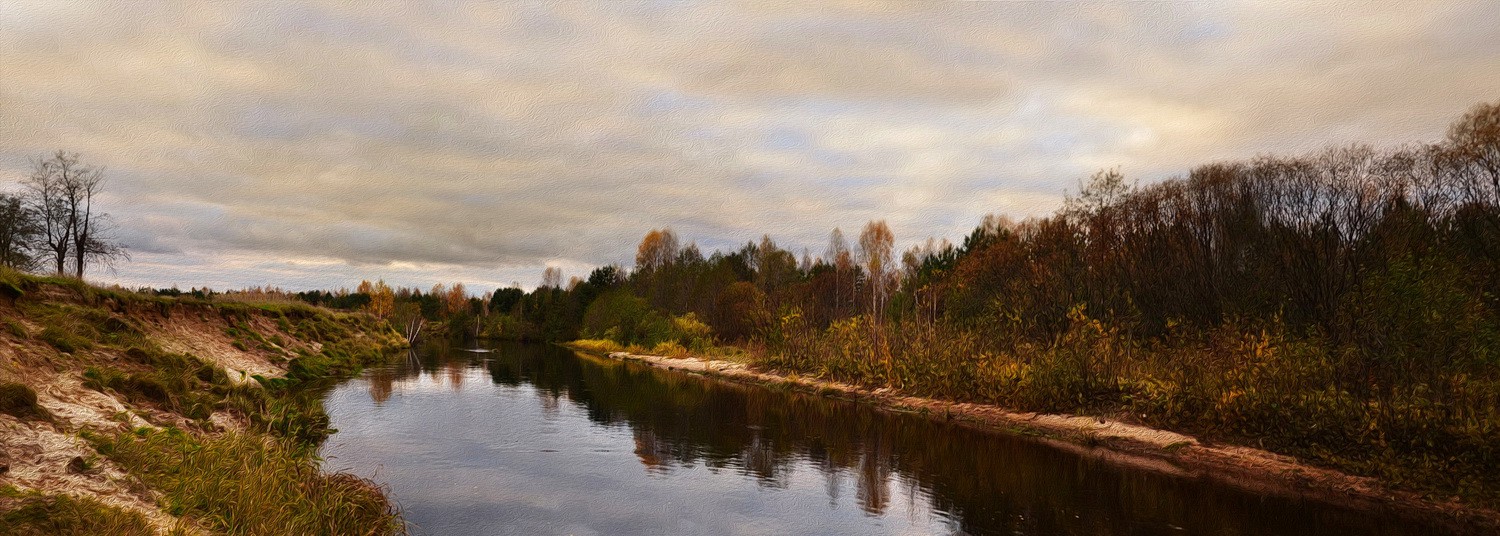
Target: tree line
(1313, 241)
(53, 223)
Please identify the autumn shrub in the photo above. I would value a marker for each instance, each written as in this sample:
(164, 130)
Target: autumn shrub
(669, 349)
(741, 312)
(690, 332)
(1264, 387)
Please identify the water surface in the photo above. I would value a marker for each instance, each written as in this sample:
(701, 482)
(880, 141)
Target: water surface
(535, 439)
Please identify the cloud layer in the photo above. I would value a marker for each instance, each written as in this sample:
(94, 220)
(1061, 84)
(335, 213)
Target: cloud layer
(314, 144)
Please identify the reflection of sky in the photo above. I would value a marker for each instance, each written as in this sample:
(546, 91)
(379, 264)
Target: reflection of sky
(480, 458)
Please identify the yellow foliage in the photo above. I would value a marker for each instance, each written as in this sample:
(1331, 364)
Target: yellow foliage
(597, 345)
(691, 330)
(669, 349)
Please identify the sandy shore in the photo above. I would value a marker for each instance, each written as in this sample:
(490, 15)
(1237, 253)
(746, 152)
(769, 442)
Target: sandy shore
(1164, 451)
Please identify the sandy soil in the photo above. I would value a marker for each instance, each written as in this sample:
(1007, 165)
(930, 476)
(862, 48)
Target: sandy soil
(1169, 452)
(184, 337)
(37, 453)
(38, 458)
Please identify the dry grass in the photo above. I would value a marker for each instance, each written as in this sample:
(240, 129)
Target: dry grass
(603, 346)
(32, 513)
(250, 484)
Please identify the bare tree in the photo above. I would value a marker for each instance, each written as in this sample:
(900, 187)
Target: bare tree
(62, 192)
(1476, 140)
(45, 188)
(78, 191)
(551, 277)
(842, 260)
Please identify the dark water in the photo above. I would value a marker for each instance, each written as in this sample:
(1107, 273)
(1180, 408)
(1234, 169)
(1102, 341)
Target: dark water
(540, 440)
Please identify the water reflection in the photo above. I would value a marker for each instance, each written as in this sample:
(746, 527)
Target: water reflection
(537, 439)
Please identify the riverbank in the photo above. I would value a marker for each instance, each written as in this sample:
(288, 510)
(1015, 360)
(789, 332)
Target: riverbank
(123, 413)
(1158, 450)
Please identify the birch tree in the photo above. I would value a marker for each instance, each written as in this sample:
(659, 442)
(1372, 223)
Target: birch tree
(876, 243)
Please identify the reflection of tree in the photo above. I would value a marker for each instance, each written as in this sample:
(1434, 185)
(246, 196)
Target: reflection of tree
(872, 488)
(413, 363)
(455, 374)
(550, 403)
(989, 484)
(834, 480)
(649, 450)
(761, 459)
(382, 381)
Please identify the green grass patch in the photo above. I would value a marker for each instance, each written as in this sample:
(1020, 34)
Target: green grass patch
(63, 340)
(16, 329)
(71, 327)
(31, 513)
(19, 401)
(10, 291)
(172, 382)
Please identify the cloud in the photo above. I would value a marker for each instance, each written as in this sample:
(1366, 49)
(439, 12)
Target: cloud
(489, 140)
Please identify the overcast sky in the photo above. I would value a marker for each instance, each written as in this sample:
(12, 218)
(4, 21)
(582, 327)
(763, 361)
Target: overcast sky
(313, 144)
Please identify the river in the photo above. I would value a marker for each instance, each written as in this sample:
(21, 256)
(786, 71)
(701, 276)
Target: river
(538, 439)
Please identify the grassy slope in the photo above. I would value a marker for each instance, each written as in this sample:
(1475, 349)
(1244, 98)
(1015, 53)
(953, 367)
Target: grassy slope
(132, 414)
